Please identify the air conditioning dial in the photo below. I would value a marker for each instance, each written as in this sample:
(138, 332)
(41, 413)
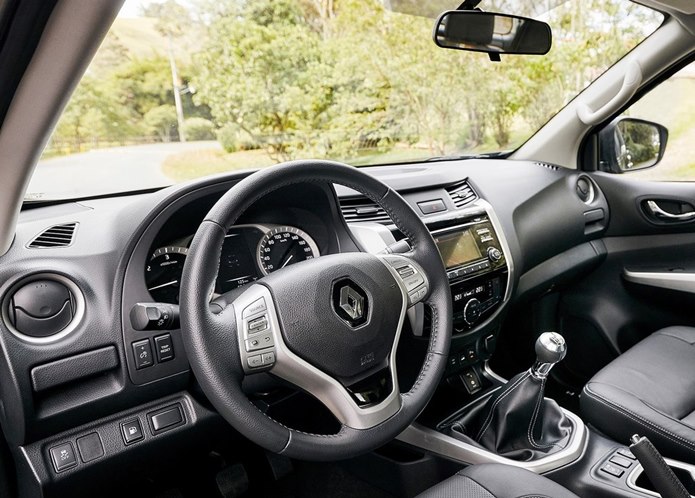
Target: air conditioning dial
(471, 312)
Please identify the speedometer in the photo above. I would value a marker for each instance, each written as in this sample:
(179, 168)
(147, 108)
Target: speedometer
(283, 246)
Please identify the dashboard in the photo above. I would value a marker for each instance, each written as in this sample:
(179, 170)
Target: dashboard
(496, 236)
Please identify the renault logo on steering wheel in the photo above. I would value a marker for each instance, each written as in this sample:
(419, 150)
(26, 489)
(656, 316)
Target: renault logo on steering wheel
(350, 302)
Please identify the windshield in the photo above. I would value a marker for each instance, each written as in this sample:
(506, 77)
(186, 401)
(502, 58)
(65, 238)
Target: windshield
(183, 89)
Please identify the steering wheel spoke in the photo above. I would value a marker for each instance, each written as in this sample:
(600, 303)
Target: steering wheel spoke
(410, 276)
(361, 405)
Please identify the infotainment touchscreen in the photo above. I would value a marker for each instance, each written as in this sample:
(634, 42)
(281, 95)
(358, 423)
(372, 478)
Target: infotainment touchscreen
(457, 248)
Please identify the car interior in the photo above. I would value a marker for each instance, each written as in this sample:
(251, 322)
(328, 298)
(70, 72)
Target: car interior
(499, 323)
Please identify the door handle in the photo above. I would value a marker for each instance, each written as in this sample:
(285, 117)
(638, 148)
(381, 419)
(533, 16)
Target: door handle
(656, 211)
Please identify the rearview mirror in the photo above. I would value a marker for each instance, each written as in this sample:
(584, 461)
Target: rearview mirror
(492, 33)
(629, 144)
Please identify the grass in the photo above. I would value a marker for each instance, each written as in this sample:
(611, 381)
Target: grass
(196, 163)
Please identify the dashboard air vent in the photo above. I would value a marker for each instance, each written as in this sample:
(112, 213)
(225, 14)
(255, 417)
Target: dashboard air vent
(55, 236)
(461, 194)
(549, 166)
(358, 209)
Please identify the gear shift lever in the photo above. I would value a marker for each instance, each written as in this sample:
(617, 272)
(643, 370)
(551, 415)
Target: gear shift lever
(517, 421)
(551, 348)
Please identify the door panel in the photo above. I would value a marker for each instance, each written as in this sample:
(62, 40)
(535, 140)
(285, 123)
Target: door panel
(646, 282)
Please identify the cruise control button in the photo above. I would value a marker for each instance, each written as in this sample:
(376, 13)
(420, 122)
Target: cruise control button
(142, 351)
(254, 308)
(63, 457)
(255, 361)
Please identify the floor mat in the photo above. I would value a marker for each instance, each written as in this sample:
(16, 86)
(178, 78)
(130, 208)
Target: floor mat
(316, 479)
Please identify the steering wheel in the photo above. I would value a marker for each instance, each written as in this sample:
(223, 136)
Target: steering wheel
(329, 326)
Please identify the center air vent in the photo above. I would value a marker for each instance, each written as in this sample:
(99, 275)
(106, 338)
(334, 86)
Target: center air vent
(356, 209)
(55, 236)
(462, 194)
(43, 306)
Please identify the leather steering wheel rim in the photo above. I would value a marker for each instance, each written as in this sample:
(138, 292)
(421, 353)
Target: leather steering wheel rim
(211, 341)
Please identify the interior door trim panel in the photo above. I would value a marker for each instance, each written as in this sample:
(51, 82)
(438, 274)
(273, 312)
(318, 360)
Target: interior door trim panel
(679, 281)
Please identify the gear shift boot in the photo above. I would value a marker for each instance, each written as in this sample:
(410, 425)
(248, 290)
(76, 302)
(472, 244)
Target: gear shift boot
(517, 421)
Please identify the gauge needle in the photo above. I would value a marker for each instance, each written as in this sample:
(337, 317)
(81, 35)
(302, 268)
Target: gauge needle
(238, 278)
(288, 260)
(163, 285)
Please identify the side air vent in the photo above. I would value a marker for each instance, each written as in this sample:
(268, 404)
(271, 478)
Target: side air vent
(358, 209)
(462, 194)
(549, 166)
(55, 236)
(585, 190)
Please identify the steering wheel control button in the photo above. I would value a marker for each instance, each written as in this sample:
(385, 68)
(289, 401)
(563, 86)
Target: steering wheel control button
(132, 431)
(258, 306)
(90, 447)
(268, 359)
(63, 457)
(164, 348)
(255, 361)
(166, 418)
(259, 342)
(258, 324)
(142, 351)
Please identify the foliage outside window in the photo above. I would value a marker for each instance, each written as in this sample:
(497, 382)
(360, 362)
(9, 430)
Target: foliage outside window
(271, 80)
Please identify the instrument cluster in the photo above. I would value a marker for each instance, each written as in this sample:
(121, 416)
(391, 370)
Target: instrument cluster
(249, 253)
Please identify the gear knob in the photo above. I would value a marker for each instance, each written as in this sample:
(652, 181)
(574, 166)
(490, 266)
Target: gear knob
(551, 348)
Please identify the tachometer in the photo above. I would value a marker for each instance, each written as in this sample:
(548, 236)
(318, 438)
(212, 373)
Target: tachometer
(163, 273)
(283, 246)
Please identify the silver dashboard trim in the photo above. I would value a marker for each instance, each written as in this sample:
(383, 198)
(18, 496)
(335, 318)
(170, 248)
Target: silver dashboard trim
(450, 448)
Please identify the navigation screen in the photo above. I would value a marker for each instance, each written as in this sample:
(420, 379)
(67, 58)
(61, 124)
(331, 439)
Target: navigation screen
(457, 248)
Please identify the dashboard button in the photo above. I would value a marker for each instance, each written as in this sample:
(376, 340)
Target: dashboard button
(258, 306)
(131, 431)
(63, 457)
(165, 419)
(142, 350)
(90, 447)
(164, 348)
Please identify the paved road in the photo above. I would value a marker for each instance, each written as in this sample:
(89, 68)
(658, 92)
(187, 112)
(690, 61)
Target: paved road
(109, 170)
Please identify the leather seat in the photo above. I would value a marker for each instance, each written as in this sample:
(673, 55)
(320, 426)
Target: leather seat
(649, 390)
(495, 480)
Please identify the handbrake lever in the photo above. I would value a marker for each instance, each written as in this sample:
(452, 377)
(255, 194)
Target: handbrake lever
(657, 470)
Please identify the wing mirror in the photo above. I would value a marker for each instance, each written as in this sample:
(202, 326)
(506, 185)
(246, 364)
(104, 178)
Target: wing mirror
(629, 144)
(492, 33)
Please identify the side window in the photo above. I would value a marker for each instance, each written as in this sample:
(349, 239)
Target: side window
(635, 144)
